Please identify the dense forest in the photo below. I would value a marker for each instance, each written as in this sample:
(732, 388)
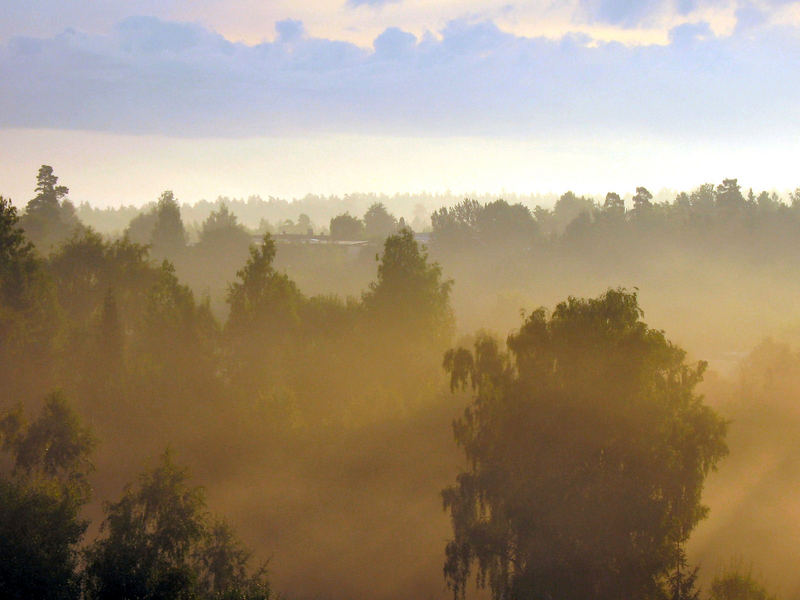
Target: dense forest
(378, 407)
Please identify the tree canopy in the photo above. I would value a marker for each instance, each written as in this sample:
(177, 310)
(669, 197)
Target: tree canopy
(378, 222)
(346, 227)
(587, 449)
(41, 494)
(161, 544)
(409, 290)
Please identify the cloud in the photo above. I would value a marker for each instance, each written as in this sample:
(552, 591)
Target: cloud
(373, 3)
(290, 30)
(471, 78)
(622, 12)
(394, 43)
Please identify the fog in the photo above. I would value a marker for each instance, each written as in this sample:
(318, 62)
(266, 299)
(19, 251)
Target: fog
(298, 374)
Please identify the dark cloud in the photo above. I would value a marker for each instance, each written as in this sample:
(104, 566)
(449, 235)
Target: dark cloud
(179, 79)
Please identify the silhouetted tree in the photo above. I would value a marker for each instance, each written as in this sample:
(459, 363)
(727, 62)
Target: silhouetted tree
(500, 222)
(587, 448)
(378, 223)
(222, 237)
(458, 225)
(140, 229)
(261, 296)
(729, 195)
(346, 227)
(642, 200)
(569, 207)
(221, 223)
(49, 218)
(169, 235)
(614, 205)
(264, 318)
(410, 293)
(703, 199)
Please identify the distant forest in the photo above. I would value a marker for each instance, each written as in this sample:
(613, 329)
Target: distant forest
(331, 387)
(276, 215)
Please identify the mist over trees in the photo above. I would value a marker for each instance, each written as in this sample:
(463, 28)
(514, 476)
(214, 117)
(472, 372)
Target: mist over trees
(588, 448)
(299, 374)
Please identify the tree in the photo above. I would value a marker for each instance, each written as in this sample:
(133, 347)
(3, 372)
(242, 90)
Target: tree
(29, 316)
(500, 222)
(261, 296)
(682, 581)
(169, 236)
(737, 584)
(305, 225)
(140, 228)
(159, 543)
(49, 218)
(409, 293)
(729, 195)
(702, 199)
(614, 205)
(457, 225)
(794, 198)
(174, 343)
(264, 320)
(221, 223)
(569, 207)
(17, 261)
(223, 241)
(40, 498)
(587, 450)
(346, 227)
(642, 200)
(378, 223)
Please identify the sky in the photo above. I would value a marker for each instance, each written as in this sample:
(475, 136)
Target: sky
(128, 98)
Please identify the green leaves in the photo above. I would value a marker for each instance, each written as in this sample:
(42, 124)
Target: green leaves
(40, 501)
(587, 451)
(160, 543)
(409, 290)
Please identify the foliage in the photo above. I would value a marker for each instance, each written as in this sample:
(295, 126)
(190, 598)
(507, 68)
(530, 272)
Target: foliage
(493, 223)
(681, 583)
(49, 218)
(221, 231)
(409, 292)
(175, 340)
(262, 297)
(264, 317)
(169, 235)
(738, 584)
(587, 448)
(40, 499)
(140, 228)
(346, 227)
(28, 310)
(378, 223)
(160, 544)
